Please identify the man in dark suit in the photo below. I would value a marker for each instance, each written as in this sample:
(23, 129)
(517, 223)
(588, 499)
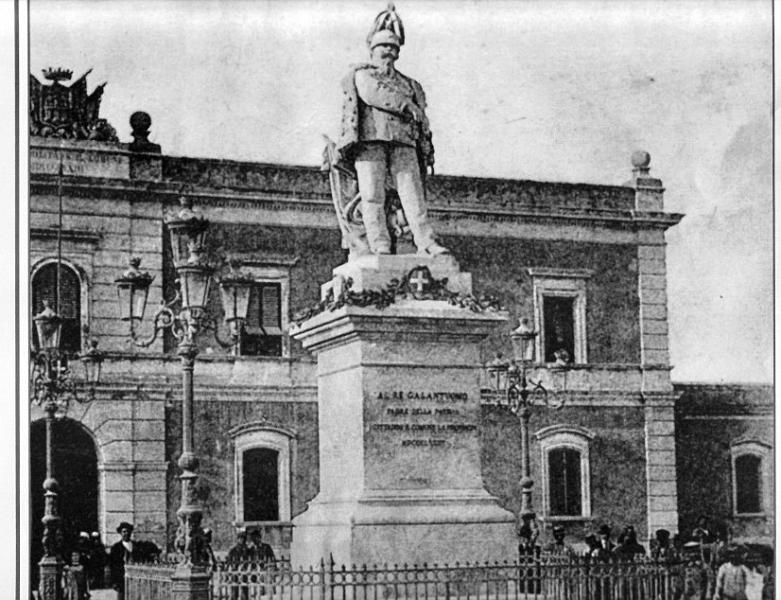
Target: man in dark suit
(126, 549)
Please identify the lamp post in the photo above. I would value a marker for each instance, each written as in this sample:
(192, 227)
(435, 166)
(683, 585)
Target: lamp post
(53, 388)
(188, 231)
(519, 394)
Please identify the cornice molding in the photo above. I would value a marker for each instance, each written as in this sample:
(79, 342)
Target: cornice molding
(71, 235)
(320, 203)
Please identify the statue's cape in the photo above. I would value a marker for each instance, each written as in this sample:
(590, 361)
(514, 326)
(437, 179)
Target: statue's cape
(349, 134)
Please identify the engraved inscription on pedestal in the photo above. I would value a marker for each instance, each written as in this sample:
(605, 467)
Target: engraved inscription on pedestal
(421, 439)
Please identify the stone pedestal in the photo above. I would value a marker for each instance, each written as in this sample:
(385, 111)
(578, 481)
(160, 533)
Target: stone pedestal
(49, 583)
(399, 410)
(190, 583)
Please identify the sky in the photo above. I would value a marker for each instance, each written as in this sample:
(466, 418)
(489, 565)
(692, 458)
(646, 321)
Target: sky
(543, 90)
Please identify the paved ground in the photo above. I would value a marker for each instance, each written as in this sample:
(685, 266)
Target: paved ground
(103, 594)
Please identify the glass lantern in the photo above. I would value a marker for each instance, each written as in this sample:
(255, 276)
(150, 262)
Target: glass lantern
(523, 342)
(48, 326)
(194, 285)
(235, 290)
(92, 359)
(132, 292)
(188, 231)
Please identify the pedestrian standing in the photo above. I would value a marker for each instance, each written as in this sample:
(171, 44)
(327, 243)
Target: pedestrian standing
(128, 550)
(260, 552)
(731, 578)
(97, 562)
(628, 546)
(605, 547)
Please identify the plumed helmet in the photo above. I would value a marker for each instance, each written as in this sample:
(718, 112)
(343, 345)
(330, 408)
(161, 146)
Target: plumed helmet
(384, 36)
(386, 29)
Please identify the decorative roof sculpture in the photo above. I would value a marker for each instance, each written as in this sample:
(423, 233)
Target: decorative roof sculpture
(67, 112)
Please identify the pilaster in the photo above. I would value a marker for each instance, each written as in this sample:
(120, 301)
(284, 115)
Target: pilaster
(661, 478)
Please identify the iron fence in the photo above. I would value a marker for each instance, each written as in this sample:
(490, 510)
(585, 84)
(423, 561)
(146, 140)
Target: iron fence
(551, 578)
(149, 581)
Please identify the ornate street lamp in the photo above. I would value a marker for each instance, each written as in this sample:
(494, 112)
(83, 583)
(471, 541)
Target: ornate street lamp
(186, 316)
(53, 388)
(518, 393)
(235, 290)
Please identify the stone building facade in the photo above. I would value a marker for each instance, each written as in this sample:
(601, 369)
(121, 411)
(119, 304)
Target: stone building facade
(584, 263)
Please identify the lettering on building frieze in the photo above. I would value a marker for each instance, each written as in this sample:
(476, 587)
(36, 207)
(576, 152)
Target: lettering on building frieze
(78, 162)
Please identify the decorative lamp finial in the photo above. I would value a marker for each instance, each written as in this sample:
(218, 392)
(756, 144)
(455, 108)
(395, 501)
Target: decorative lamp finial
(641, 161)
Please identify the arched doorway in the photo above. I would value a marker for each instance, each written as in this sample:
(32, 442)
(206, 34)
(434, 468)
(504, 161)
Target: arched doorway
(75, 463)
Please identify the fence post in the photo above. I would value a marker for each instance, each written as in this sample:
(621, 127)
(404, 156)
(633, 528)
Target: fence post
(189, 583)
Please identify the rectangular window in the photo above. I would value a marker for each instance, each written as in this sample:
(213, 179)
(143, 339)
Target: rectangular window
(564, 482)
(560, 314)
(748, 483)
(559, 326)
(263, 329)
(260, 482)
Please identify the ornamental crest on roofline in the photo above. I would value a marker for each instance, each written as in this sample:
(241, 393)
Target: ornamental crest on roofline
(67, 112)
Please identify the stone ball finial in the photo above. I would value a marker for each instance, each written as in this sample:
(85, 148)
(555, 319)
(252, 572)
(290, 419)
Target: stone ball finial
(641, 159)
(140, 122)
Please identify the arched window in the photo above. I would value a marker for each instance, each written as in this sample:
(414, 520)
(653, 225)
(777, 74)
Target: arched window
(565, 471)
(750, 477)
(44, 287)
(262, 472)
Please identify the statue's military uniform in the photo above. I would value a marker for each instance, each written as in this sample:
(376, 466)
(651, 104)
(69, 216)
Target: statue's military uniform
(380, 137)
(382, 115)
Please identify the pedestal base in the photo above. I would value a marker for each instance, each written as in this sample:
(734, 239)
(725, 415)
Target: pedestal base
(399, 418)
(190, 584)
(442, 526)
(50, 582)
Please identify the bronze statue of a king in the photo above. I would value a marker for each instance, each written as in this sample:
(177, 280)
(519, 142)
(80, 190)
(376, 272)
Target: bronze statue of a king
(384, 144)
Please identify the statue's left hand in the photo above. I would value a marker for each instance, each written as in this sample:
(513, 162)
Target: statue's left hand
(415, 111)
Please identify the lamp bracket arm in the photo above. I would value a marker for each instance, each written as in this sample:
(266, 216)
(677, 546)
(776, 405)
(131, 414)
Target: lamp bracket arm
(164, 319)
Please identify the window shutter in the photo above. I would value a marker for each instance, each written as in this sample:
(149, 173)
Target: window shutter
(270, 313)
(253, 312)
(564, 482)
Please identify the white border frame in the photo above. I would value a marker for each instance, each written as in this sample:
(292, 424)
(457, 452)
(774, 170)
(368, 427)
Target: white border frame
(566, 436)
(764, 452)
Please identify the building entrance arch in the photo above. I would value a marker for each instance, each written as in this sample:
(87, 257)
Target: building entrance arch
(75, 464)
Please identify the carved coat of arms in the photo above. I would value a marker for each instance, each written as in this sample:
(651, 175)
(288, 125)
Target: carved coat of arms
(67, 112)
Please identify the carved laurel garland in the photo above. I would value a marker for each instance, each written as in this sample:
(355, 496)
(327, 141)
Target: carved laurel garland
(398, 289)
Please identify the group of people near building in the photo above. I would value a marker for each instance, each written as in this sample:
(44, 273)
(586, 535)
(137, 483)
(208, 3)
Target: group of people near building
(104, 568)
(709, 567)
(254, 550)
(92, 558)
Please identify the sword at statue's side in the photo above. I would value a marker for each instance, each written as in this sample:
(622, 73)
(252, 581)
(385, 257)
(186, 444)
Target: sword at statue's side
(334, 177)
